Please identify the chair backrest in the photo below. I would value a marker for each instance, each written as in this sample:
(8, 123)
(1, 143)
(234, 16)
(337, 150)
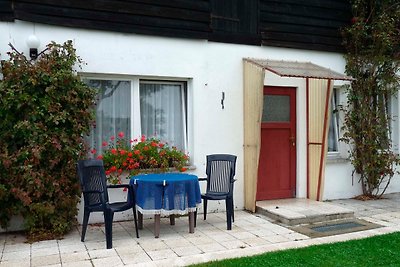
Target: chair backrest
(220, 172)
(92, 178)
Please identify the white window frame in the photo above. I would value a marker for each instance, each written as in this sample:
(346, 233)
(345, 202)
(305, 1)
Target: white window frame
(135, 100)
(335, 104)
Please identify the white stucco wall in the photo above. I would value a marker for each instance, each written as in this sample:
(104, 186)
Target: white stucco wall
(210, 68)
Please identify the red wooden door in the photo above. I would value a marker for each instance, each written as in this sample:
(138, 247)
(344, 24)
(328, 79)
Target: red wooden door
(277, 165)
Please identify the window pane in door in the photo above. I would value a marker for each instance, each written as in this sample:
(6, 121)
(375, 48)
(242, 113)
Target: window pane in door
(276, 108)
(163, 112)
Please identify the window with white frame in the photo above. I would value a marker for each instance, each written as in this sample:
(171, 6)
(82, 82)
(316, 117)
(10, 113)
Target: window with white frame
(333, 134)
(139, 107)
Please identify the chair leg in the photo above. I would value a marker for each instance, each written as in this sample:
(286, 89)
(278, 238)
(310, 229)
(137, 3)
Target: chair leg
(136, 221)
(233, 211)
(205, 208)
(85, 222)
(228, 204)
(108, 218)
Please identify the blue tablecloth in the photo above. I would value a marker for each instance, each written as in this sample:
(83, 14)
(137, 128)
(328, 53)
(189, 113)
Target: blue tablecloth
(166, 193)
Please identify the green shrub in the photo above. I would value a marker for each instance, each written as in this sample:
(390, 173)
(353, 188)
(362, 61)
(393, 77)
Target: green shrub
(45, 110)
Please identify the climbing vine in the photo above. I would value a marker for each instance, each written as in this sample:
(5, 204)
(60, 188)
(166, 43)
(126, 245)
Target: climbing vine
(372, 42)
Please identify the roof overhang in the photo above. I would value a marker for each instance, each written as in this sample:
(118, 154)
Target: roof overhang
(298, 69)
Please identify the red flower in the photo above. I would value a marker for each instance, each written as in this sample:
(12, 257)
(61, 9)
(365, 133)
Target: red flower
(136, 165)
(130, 154)
(124, 164)
(153, 144)
(108, 172)
(122, 152)
(120, 171)
(112, 138)
(161, 145)
(104, 143)
(137, 152)
(113, 169)
(100, 157)
(145, 148)
(93, 151)
(183, 169)
(114, 151)
(143, 138)
(121, 134)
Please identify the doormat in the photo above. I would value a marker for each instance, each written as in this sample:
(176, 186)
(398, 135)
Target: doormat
(334, 227)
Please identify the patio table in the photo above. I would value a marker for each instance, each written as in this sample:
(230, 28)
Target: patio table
(166, 194)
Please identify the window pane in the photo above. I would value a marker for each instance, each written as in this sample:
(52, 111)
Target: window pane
(276, 108)
(163, 112)
(113, 110)
(333, 134)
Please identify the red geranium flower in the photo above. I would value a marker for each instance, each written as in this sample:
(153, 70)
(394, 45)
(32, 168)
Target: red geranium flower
(100, 157)
(121, 134)
(113, 168)
(93, 151)
(104, 143)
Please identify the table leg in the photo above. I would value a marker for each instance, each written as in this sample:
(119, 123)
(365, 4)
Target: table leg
(140, 220)
(172, 219)
(156, 225)
(191, 222)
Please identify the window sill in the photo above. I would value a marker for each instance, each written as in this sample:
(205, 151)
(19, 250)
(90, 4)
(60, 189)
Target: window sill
(335, 157)
(191, 168)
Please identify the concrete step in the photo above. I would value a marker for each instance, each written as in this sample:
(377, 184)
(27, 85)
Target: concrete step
(297, 211)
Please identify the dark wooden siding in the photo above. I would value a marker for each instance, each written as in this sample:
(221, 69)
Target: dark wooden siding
(235, 21)
(304, 24)
(6, 12)
(177, 18)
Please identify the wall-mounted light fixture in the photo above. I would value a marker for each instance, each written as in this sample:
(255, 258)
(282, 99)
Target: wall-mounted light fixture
(33, 44)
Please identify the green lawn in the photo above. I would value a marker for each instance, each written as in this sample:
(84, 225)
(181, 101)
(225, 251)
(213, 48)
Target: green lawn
(381, 250)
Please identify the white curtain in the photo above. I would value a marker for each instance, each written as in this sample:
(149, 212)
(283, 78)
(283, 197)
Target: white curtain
(162, 112)
(113, 111)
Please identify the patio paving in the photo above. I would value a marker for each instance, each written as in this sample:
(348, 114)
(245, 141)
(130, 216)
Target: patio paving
(251, 234)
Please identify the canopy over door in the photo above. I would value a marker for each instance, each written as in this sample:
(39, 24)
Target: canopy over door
(319, 88)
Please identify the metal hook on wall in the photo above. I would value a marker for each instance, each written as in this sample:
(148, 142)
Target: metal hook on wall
(222, 100)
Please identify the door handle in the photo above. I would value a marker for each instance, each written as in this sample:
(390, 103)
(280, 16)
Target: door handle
(292, 139)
